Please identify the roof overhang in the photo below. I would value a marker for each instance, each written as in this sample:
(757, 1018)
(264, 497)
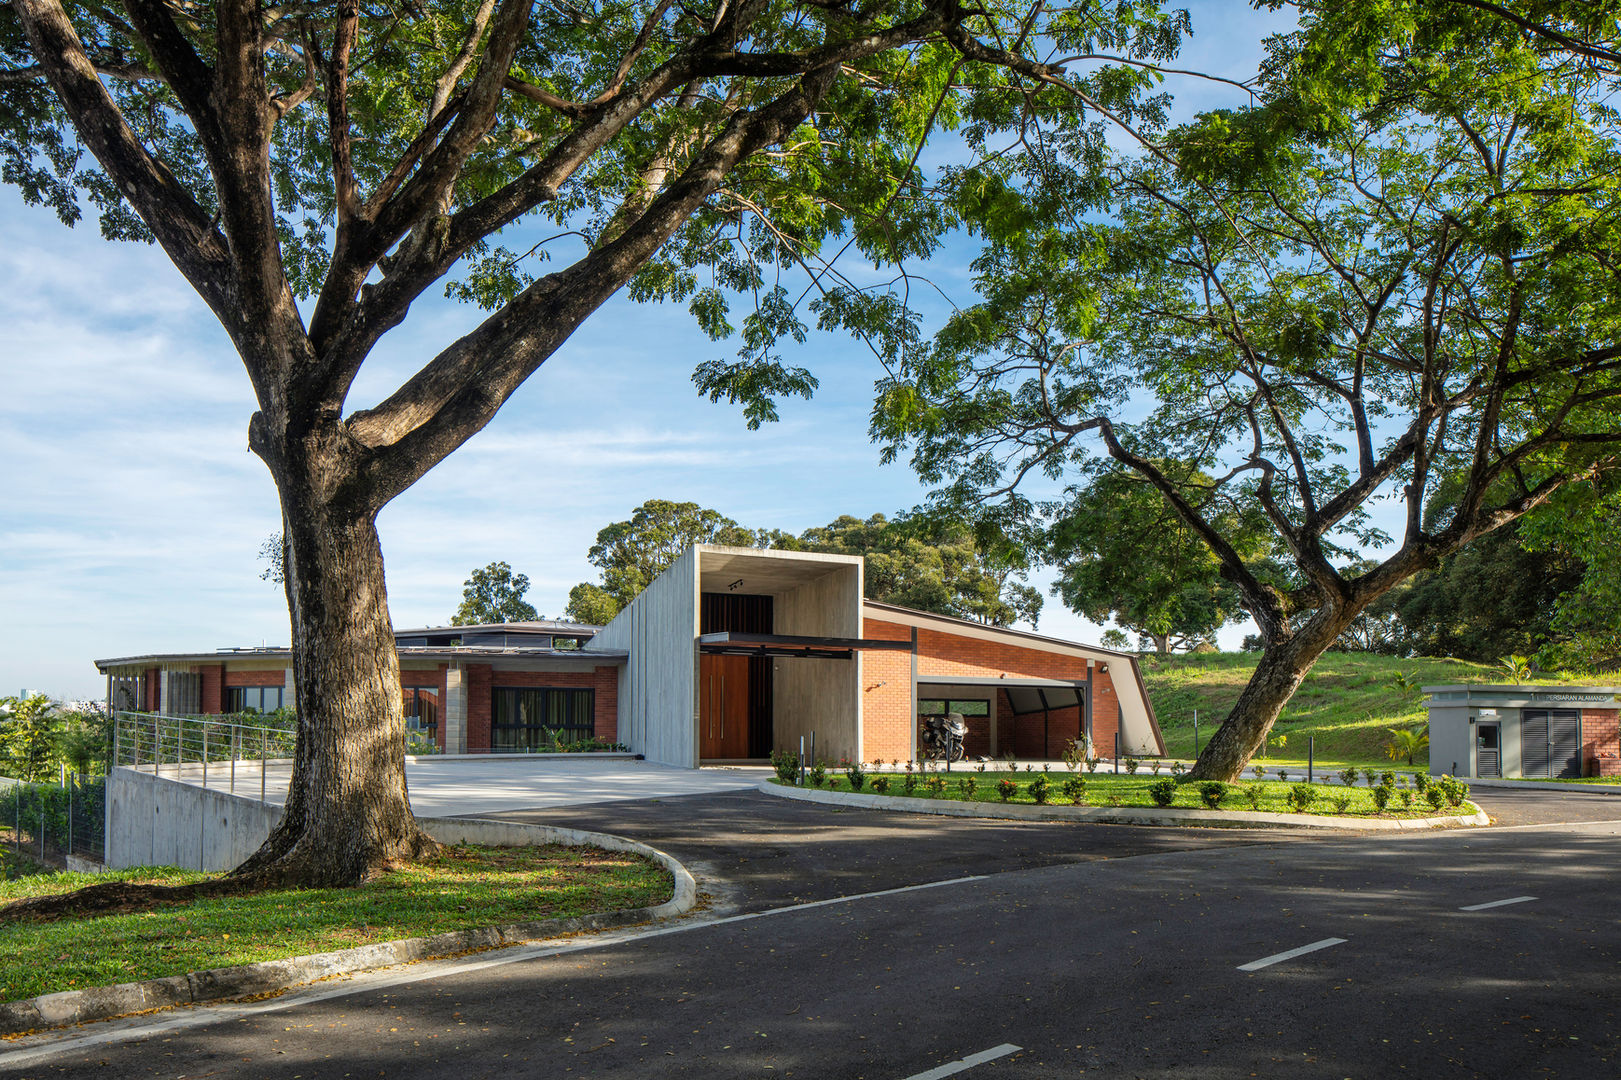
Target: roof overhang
(732, 643)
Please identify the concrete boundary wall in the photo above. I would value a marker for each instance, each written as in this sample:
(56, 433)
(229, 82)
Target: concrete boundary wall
(156, 821)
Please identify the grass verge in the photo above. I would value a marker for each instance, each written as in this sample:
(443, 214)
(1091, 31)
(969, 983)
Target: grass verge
(1106, 789)
(1348, 701)
(462, 888)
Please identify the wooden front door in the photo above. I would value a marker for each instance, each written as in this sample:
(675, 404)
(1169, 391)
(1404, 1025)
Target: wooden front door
(723, 706)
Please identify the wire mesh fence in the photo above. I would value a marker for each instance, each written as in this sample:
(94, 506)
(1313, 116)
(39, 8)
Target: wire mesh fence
(49, 822)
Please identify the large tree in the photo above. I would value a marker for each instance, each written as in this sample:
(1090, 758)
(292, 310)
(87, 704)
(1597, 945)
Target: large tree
(494, 594)
(1395, 272)
(1122, 551)
(312, 169)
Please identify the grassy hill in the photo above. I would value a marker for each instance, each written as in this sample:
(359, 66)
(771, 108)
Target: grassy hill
(1348, 701)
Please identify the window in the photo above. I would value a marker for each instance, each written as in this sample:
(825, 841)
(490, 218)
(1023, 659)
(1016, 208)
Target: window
(256, 699)
(525, 719)
(941, 706)
(422, 711)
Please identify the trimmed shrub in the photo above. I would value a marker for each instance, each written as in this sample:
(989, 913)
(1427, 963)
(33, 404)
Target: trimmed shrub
(1131, 765)
(1381, 796)
(1040, 788)
(1454, 790)
(1348, 777)
(880, 784)
(1211, 792)
(1006, 789)
(1163, 792)
(966, 787)
(1252, 795)
(855, 773)
(1434, 796)
(1342, 803)
(1301, 796)
(818, 774)
(787, 766)
(1075, 790)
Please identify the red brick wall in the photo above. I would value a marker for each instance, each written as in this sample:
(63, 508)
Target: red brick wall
(944, 657)
(213, 687)
(482, 680)
(277, 677)
(1601, 735)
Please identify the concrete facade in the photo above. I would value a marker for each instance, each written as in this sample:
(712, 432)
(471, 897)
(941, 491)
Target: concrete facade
(1539, 731)
(773, 647)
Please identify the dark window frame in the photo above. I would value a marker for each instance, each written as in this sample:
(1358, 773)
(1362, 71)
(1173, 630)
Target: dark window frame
(418, 695)
(235, 704)
(533, 735)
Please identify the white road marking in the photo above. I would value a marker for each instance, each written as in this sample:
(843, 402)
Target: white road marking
(1278, 958)
(53, 1044)
(1498, 903)
(953, 1067)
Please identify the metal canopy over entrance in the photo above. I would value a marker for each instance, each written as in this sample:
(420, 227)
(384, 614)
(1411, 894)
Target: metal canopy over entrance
(730, 643)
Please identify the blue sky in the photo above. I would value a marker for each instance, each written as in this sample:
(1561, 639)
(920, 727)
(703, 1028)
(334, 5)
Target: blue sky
(131, 511)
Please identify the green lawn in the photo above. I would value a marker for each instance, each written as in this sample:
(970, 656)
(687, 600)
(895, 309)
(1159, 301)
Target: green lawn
(463, 888)
(1347, 702)
(1107, 789)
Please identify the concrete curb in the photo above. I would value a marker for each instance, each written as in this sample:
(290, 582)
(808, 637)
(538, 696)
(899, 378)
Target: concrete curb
(1540, 785)
(244, 980)
(1123, 815)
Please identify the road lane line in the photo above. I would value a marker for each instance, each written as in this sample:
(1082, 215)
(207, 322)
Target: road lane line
(67, 1040)
(1278, 958)
(951, 1068)
(1498, 903)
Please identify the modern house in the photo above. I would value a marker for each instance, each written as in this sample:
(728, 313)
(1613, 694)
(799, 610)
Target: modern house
(1549, 732)
(729, 654)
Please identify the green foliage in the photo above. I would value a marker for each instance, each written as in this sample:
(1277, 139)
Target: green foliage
(494, 594)
(786, 765)
(1405, 744)
(1381, 796)
(1301, 797)
(923, 563)
(854, 773)
(818, 773)
(1211, 792)
(1342, 803)
(1123, 552)
(1006, 789)
(29, 729)
(1434, 796)
(1163, 792)
(1131, 764)
(966, 786)
(1252, 795)
(1074, 789)
(1040, 789)
(1453, 789)
(591, 604)
(1516, 667)
(1348, 777)
(1251, 325)
(880, 784)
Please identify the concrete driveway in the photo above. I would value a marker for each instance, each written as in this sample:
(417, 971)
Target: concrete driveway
(478, 786)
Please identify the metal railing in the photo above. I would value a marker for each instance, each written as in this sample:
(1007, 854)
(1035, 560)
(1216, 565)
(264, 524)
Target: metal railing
(210, 746)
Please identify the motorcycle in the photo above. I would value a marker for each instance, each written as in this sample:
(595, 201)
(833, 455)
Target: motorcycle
(943, 736)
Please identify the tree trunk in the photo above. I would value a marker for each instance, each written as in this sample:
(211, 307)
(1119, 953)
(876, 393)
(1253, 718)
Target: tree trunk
(347, 813)
(1282, 668)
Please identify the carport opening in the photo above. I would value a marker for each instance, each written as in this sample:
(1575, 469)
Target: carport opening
(1029, 721)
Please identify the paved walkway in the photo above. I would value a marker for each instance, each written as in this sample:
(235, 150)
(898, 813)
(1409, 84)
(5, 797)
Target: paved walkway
(468, 787)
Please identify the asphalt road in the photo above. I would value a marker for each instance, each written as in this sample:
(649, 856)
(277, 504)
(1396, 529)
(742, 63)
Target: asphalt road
(1109, 950)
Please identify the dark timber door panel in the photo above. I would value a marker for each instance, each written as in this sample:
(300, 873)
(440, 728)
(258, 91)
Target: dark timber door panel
(1550, 743)
(723, 706)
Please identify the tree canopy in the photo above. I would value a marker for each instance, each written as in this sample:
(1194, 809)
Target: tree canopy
(312, 170)
(918, 563)
(1394, 271)
(494, 594)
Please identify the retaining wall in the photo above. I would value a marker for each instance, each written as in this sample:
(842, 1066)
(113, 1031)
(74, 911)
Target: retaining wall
(155, 821)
